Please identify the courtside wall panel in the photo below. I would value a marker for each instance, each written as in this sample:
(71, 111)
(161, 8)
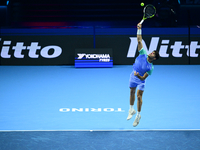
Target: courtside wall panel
(178, 46)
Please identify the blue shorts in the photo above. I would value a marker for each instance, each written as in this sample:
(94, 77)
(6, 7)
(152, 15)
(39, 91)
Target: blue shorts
(136, 82)
(140, 86)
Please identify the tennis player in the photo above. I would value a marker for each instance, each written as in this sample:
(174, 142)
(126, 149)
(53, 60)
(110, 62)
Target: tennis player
(142, 68)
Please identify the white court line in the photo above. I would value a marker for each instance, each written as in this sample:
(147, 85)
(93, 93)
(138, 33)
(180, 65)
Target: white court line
(135, 130)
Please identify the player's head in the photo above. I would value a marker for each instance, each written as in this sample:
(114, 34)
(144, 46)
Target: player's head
(157, 55)
(154, 55)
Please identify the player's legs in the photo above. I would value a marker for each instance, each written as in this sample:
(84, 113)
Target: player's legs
(139, 104)
(132, 95)
(132, 100)
(139, 100)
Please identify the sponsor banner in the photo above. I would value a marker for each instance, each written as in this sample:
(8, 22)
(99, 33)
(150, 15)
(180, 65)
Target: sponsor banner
(93, 58)
(58, 49)
(172, 49)
(41, 50)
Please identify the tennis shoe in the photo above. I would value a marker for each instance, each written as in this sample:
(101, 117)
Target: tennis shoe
(137, 119)
(130, 114)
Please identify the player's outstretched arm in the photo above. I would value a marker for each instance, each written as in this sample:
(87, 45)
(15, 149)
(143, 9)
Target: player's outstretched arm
(139, 36)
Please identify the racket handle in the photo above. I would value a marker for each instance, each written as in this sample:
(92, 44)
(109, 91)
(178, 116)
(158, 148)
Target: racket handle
(141, 21)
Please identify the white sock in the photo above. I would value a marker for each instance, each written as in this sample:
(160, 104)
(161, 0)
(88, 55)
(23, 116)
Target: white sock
(138, 113)
(131, 107)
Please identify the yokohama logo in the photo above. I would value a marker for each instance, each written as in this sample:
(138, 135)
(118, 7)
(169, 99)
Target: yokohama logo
(163, 47)
(93, 56)
(34, 50)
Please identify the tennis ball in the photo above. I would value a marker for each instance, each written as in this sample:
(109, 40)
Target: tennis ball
(142, 4)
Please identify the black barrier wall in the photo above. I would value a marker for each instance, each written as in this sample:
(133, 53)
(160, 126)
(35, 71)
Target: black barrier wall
(43, 47)
(57, 46)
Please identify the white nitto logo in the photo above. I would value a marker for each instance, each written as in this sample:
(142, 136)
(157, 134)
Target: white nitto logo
(91, 110)
(101, 57)
(164, 45)
(32, 50)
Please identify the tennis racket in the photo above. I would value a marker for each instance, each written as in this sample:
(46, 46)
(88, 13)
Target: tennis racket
(149, 11)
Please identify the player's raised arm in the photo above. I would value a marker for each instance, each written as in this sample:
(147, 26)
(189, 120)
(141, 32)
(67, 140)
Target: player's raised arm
(139, 36)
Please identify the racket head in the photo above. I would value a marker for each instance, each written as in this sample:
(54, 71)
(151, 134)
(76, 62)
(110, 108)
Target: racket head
(149, 11)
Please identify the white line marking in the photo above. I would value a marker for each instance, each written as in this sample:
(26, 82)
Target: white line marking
(135, 130)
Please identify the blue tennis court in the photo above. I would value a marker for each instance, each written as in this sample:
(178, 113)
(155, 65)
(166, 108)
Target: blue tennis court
(66, 98)
(63, 98)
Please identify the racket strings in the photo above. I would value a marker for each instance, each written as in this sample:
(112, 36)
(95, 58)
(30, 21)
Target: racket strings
(149, 11)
